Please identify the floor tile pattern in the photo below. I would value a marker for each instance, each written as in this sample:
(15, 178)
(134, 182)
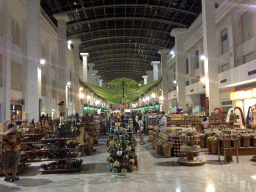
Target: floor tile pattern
(155, 174)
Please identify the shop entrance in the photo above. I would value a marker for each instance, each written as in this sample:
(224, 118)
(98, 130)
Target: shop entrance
(16, 112)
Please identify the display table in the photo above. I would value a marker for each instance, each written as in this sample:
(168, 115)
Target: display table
(224, 148)
(189, 160)
(176, 146)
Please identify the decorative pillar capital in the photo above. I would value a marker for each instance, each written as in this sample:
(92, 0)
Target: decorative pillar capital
(84, 54)
(76, 41)
(163, 51)
(178, 32)
(155, 62)
(61, 17)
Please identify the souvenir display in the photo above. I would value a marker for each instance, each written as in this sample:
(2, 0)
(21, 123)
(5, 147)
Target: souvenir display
(122, 150)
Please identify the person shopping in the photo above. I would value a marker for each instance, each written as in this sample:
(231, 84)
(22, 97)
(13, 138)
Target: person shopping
(163, 122)
(11, 141)
(205, 123)
(141, 128)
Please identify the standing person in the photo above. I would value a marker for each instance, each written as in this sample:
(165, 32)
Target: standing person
(134, 122)
(205, 123)
(103, 124)
(141, 128)
(163, 122)
(106, 124)
(11, 141)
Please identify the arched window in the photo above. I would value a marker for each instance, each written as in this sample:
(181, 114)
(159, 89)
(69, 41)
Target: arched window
(1, 23)
(15, 32)
(224, 41)
(43, 55)
(245, 27)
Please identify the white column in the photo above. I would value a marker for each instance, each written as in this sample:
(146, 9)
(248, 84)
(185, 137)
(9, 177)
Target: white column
(150, 76)
(155, 69)
(33, 66)
(164, 53)
(145, 79)
(62, 59)
(94, 77)
(180, 66)
(100, 83)
(49, 80)
(85, 68)
(7, 45)
(76, 85)
(98, 80)
(210, 51)
(90, 72)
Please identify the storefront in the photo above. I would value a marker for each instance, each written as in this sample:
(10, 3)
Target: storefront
(244, 98)
(16, 109)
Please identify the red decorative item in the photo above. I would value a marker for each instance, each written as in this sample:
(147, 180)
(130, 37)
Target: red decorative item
(61, 103)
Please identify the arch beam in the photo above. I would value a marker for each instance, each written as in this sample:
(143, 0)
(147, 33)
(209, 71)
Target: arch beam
(126, 18)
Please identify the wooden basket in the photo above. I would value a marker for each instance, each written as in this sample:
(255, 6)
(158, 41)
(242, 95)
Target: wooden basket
(167, 151)
(246, 141)
(214, 146)
(239, 141)
(202, 141)
(159, 148)
(208, 144)
(155, 145)
(253, 139)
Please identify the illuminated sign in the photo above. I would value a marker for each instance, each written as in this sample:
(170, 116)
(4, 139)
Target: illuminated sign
(246, 94)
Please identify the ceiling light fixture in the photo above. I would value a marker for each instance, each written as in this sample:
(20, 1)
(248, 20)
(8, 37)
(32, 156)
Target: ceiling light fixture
(42, 61)
(203, 57)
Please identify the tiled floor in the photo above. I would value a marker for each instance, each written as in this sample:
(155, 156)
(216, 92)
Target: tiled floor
(155, 173)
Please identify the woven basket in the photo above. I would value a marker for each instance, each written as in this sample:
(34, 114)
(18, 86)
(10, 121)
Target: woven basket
(208, 144)
(202, 141)
(214, 146)
(253, 139)
(167, 151)
(159, 148)
(155, 145)
(246, 141)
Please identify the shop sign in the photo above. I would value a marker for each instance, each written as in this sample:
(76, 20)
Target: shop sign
(17, 101)
(246, 94)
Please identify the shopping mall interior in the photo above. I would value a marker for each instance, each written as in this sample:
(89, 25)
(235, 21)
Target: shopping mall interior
(138, 95)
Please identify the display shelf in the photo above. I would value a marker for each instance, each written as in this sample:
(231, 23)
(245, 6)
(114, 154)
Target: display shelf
(57, 171)
(38, 151)
(58, 159)
(190, 142)
(19, 171)
(34, 160)
(190, 151)
(64, 149)
(24, 158)
(59, 139)
(30, 135)
(31, 143)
